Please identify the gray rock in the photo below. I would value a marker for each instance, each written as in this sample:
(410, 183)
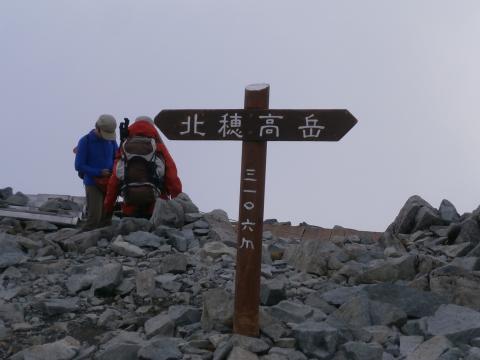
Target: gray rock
(402, 268)
(356, 350)
(53, 307)
(38, 225)
(160, 349)
(110, 276)
(312, 256)
(405, 221)
(168, 213)
(361, 311)
(174, 263)
(408, 344)
(128, 225)
(317, 339)
(459, 324)
(272, 292)
(415, 303)
(124, 346)
(79, 282)
(10, 251)
(457, 285)
(216, 249)
(11, 312)
(145, 282)
(5, 193)
(82, 241)
(186, 203)
(289, 311)
(58, 205)
(184, 315)
(431, 349)
(220, 228)
(469, 232)
(448, 212)
(469, 263)
(426, 217)
(254, 345)
(278, 353)
(122, 247)
(238, 353)
(19, 199)
(217, 310)
(65, 349)
(341, 294)
(159, 325)
(145, 239)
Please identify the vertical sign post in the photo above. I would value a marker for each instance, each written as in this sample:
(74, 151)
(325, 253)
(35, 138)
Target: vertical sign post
(254, 126)
(250, 223)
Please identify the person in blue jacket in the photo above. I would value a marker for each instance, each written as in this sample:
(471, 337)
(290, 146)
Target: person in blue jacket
(94, 158)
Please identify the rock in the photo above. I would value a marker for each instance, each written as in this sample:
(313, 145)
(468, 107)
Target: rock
(38, 225)
(459, 324)
(186, 203)
(11, 312)
(79, 282)
(58, 205)
(53, 307)
(405, 221)
(360, 312)
(288, 311)
(408, 344)
(5, 193)
(339, 295)
(184, 315)
(402, 268)
(317, 339)
(110, 276)
(65, 349)
(426, 217)
(469, 232)
(82, 241)
(216, 249)
(254, 345)
(125, 248)
(238, 353)
(145, 282)
(128, 225)
(312, 256)
(124, 346)
(431, 349)
(174, 263)
(357, 350)
(457, 285)
(415, 303)
(145, 239)
(160, 349)
(10, 251)
(448, 212)
(168, 212)
(220, 228)
(19, 199)
(217, 310)
(272, 292)
(159, 325)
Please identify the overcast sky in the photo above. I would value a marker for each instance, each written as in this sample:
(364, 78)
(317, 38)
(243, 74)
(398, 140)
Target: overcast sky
(408, 70)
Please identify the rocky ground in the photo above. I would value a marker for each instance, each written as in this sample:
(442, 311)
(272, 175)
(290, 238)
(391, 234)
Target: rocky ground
(162, 289)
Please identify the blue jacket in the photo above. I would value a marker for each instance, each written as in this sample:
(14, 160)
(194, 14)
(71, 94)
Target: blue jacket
(93, 155)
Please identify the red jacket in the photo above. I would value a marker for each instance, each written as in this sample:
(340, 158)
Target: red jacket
(173, 185)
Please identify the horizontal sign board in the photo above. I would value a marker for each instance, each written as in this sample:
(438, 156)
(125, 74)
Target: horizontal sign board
(255, 125)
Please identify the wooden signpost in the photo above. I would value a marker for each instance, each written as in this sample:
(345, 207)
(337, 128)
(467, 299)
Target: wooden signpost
(254, 126)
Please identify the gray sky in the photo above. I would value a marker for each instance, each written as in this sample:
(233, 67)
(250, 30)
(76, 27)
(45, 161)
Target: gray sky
(407, 70)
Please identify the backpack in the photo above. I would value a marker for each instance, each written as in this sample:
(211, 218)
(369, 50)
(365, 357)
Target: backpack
(141, 170)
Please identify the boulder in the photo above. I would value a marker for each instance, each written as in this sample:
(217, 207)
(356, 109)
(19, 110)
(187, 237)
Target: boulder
(168, 212)
(10, 251)
(220, 228)
(217, 310)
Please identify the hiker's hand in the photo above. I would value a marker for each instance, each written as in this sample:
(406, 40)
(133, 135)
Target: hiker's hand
(105, 173)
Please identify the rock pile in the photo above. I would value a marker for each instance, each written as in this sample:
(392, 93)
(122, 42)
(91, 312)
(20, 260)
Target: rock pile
(163, 289)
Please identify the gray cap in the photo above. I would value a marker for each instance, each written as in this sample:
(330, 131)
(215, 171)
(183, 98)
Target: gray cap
(107, 125)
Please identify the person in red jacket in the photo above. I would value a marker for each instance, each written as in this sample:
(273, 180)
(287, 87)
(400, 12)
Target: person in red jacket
(141, 188)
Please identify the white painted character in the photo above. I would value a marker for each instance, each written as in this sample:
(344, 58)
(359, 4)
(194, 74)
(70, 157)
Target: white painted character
(270, 128)
(311, 129)
(196, 123)
(231, 125)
